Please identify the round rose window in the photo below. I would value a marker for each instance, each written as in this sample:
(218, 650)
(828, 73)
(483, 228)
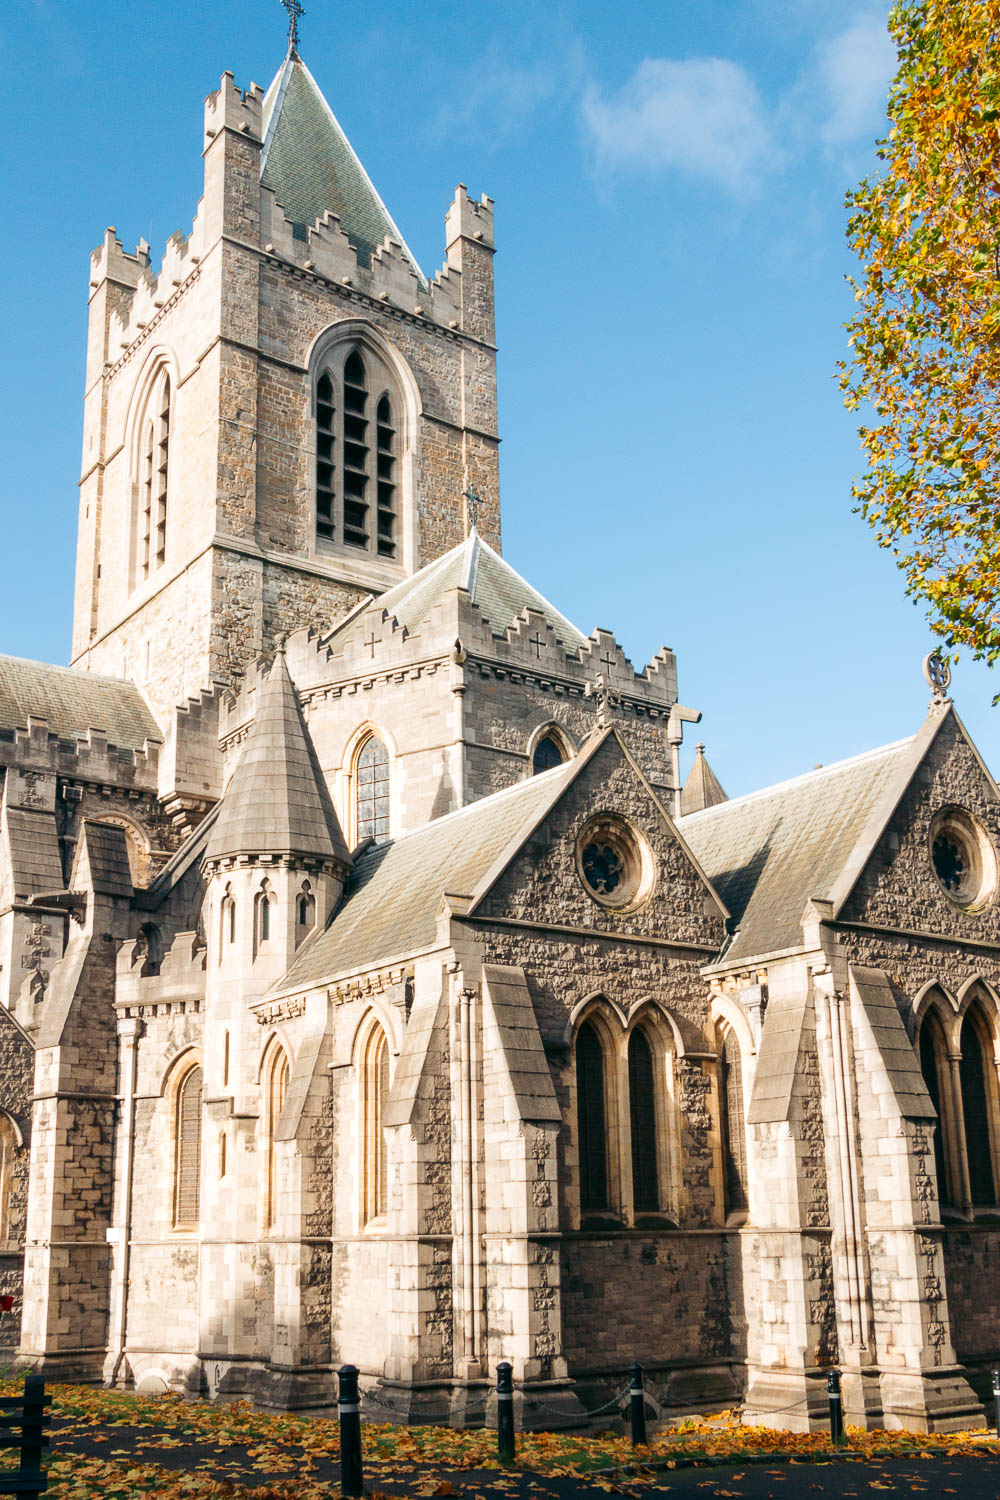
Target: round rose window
(614, 862)
(963, 858)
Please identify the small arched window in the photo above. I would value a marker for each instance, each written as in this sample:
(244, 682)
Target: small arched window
(277, 1088)
(227, 921)
(376, 1090)
(371, 798)
(154, 430)
(591, 1118)
(305, 912)
(642, 1122)
(547, 753)
(977, 1108)
(187, 1150)
(733, 1122)
(357, 454)
(263, 916)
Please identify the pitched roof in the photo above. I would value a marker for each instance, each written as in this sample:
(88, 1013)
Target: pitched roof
(73, 702)
(393, 897)
(278, 801)
(312, 167)
(496, 589)
(702, 788)
(769, 852)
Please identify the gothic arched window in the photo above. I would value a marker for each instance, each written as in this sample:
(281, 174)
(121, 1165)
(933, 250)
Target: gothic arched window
(376, 1090)
(371, 790)
(591, 1118)
(642, 1123)
(263, 916)
(733, 1122)
(547, 753)
(227, 921)
(276, 1084)
(187, 1150)
(8, 1156)
(357, 453)
(934, 1067)
(305, 912)
(154, 451)
(977, 1108)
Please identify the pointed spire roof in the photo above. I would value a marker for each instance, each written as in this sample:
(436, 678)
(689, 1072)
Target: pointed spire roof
(312, 168)
(702, 788)
(278, 801)
(496, 589)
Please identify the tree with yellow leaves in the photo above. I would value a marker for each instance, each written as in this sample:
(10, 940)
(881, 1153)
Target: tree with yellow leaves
(926, 337)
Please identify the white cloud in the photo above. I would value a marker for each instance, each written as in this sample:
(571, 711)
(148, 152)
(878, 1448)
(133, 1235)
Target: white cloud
(703, 116)
(853, 70)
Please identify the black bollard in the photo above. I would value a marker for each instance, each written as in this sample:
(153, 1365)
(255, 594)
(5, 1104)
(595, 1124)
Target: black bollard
(996, 1397)
(505, 1413)
(349, 1409)
(836, 1406)
(637, 1406)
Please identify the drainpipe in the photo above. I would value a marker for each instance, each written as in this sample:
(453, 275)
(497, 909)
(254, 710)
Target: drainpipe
(128, 1032)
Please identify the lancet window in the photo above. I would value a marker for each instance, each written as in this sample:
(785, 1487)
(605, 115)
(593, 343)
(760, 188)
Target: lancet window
(305, 912)
(357, 455)
(8, 1156)
(642, 1123)
(592, 1121)
(957, 1060)
(187, 1150)
(371, 790)
(733, 1123)
(376, 1090)
(276, 1087)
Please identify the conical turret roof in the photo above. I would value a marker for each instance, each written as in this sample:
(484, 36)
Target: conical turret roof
(278, 802)
(702, 788)
(313, 169)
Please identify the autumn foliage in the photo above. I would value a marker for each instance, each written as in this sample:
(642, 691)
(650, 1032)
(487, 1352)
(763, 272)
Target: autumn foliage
(926, 336)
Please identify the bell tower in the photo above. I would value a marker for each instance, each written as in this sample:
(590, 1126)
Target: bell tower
(287, 416)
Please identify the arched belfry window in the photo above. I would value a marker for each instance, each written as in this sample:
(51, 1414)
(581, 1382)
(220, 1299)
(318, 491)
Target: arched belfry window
(187, 1150)
(733, 1124)
(263, 915)
(371, 790)
(154, 455)
(547, 754)
(357, 454)
(592, 1122)
(376, 1090)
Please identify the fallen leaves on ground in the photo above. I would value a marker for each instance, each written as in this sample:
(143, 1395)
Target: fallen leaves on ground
(176, 1449)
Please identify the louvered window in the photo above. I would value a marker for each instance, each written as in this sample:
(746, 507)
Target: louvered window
(277, 1088)
(155, 454)
(376, 1163)
(372, 790)
(187, 1167)
(642, 1119)
(357, 457)
(591, 1121)
(976, 1109)
(734, 1145)
(325, 440)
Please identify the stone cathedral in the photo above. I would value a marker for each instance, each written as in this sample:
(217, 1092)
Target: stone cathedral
(372, 989)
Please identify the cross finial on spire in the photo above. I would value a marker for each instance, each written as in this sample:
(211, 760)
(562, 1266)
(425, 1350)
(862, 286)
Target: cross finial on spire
(473, 503)
(295, 8)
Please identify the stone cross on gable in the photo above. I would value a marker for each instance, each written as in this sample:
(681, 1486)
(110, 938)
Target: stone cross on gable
(295, 9)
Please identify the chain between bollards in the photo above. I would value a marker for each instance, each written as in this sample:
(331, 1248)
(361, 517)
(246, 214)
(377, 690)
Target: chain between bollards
(637, 1406)
(349, 1410)
(836, 1406)
(505, 1413)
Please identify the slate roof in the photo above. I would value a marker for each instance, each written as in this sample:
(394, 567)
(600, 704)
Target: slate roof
(73, 702)
(278, 801)
(393, 897)
(702, 788)
(768, 853)
(311, 166)
(496, 589)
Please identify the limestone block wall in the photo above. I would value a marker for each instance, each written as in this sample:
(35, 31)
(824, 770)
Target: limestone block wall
(970, 1259)
(17, 1060)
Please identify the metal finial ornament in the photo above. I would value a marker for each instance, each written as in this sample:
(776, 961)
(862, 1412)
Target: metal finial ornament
(473, 502)
(295, 8)
(937, 675)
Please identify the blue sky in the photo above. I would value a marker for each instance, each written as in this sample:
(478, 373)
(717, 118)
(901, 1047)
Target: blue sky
(669, 181)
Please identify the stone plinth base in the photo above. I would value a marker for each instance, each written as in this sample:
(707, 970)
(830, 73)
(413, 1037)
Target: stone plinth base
(787, 1400)
(77, 1366)
(930, 1400)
